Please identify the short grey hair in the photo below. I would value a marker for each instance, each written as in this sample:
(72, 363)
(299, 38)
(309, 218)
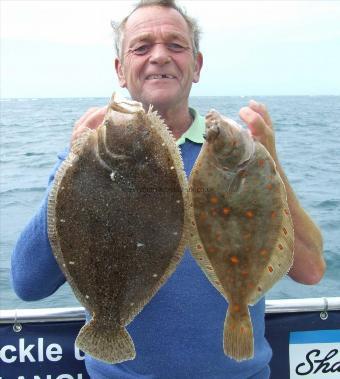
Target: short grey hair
(194, 28)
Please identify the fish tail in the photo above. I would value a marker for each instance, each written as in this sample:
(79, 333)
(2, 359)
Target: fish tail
(238, 342)
(106, 342)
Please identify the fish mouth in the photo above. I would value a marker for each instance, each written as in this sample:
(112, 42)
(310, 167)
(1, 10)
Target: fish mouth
(159, 76)
(211, 132)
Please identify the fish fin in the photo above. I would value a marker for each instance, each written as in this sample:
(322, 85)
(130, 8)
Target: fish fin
(282, 256)
(164, 133)
(238, 340)
(52, 231)
(78, 144)
(198, 252)
(196, 245)
(161, 129)
(109, 344)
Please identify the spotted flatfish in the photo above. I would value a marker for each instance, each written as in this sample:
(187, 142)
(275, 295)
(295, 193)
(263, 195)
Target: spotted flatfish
(242, 232)
(116, 222)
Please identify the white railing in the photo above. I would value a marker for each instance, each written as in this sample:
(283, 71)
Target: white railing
(7, 316)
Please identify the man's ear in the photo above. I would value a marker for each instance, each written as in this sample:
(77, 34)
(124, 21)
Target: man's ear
(120, 73)
(198, 66)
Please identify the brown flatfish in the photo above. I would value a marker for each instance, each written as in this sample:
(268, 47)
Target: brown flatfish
(242, 232)
(116, 222)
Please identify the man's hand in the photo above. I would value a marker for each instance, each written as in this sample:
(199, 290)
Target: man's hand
(91, 119)
(257, 118)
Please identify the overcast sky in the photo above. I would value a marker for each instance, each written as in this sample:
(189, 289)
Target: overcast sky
(65, 48)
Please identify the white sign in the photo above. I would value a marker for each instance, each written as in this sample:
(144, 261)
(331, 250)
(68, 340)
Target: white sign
(314, 354)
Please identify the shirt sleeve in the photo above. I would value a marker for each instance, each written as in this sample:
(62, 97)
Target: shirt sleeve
(35, 273)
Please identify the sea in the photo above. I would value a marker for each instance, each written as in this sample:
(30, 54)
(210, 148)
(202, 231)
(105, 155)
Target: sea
(307, 131)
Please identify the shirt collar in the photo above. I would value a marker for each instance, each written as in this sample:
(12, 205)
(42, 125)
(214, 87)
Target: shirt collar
(195, 131)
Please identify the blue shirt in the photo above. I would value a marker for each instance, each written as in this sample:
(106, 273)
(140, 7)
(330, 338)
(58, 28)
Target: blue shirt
(179, 333)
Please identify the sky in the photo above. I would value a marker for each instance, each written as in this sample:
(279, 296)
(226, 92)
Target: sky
(65, 48)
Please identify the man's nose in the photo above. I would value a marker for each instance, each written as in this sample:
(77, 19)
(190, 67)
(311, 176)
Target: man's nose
(160, 54)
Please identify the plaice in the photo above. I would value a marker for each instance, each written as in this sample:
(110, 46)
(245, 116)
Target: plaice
(116, 222)
(242, 233)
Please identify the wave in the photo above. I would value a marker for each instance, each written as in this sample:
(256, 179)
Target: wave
(23, 189)
(328, 204)
(32, 154)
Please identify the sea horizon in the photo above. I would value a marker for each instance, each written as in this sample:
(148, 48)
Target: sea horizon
(193, 96)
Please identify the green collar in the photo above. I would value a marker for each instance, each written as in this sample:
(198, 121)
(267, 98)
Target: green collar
(196, 130)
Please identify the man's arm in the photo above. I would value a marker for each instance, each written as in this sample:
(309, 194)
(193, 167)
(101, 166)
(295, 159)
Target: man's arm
(309, 264)
(35, 273)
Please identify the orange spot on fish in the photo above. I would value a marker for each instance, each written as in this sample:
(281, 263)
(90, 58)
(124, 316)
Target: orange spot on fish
(211, 249)
(203, 216)
(236, 308)
(247, 236)
(214, 200)
(249, 214)
(261, 163)
(218, 236)
(263, 252)
(251, 285)
(234, 259)
(226, 211)
(273, 214)
(270, 269)
(269, 186)
(244, 273)
(280, 246)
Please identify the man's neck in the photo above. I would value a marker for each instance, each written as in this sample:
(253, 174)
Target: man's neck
(177, 120)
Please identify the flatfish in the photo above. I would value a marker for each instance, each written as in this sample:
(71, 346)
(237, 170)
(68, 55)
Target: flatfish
(116, 222)
(242, 233)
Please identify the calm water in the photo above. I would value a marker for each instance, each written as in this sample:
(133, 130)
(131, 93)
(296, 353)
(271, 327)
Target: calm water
(308, 143)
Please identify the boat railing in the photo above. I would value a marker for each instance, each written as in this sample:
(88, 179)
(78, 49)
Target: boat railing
(323, 304)
(304, 335)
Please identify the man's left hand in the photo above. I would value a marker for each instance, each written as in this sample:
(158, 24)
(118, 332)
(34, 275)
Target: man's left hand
(257, 118)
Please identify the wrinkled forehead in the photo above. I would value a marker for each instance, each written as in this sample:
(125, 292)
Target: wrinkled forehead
(155, 21)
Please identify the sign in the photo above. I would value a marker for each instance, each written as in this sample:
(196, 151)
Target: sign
(41, 351)
(314, 354)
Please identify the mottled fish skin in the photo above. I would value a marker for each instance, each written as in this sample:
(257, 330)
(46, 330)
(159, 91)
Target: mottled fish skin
(242, 233)
(116, 222)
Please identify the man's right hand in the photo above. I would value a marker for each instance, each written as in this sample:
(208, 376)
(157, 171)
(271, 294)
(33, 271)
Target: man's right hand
(91, 119)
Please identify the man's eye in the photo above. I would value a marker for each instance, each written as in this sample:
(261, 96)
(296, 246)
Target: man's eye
(177, 48)
(142, 49)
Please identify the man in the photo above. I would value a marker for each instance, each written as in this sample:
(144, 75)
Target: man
(179, 333)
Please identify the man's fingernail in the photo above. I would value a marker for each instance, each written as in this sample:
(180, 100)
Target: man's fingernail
(253, 102)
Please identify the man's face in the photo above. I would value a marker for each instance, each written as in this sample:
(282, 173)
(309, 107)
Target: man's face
(158, 66)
